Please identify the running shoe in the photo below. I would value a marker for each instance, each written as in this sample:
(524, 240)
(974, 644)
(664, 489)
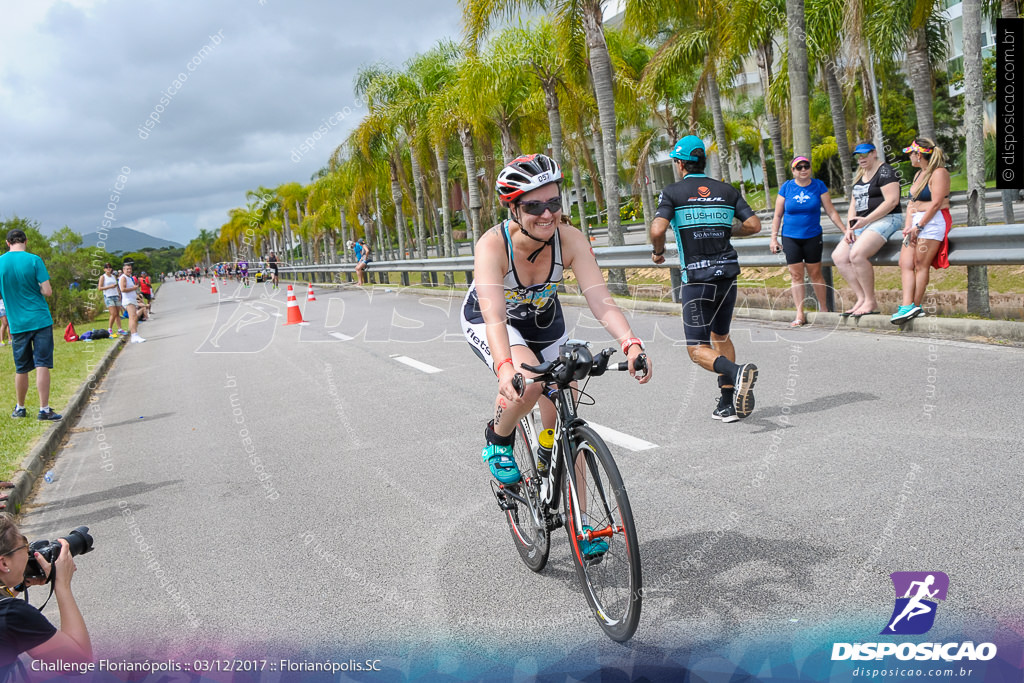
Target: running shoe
(136, 339)
(904, 313)
(19, 412)
(726, 413)
(593, 548)
(49, 415)
(743, 390)
(503, 465)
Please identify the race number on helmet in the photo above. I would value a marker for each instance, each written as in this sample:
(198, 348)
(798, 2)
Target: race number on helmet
(526, 173)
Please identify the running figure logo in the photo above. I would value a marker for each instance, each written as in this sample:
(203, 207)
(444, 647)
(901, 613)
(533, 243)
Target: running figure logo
(915, 608)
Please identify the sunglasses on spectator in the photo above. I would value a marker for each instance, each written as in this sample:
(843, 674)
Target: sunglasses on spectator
(537, 208)
(802, 167)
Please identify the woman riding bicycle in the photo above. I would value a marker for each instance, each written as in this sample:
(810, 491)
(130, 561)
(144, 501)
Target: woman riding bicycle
(511, 314)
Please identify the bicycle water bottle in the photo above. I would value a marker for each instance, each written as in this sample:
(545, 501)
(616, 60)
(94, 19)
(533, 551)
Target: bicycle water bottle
(545, 441)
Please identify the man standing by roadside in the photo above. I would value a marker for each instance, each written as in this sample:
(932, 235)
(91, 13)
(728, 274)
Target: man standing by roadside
(701, 210)
(24, 284)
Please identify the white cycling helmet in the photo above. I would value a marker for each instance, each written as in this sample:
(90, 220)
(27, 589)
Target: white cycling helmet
(524, 174)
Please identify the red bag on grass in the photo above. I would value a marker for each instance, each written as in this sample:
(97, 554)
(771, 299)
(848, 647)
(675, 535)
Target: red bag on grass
(69, 333)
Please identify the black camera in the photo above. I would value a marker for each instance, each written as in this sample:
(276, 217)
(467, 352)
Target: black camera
(79, 543)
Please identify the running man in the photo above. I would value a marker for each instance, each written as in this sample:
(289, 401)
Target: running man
(272, 260)
(915, 607)
(700, 210)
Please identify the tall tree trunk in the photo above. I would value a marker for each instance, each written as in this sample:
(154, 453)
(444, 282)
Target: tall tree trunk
(601, 70)
(555, 126)
(877, 135)
(835, 100)
(581, 207)
(441, 152)
(764, 173)
(715, 102)
(396, 198)
(472, 186)
(599, 151)
(595, 174)
(508, 145)
(417, 183)
(490, 211)
(382, 248)
(977, 276)
(765, 54)
(287, 234)
(646, 197)
(743, 185)
(344, 233)
(799, 95)
(919, 69)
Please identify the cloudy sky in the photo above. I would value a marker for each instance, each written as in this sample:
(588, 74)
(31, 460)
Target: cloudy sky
(79, 78)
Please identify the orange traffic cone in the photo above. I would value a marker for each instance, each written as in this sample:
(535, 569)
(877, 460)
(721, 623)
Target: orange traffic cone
(213, 286)
(309, 295)
(294, 314)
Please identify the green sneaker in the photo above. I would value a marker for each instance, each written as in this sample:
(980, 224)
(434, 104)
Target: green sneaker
(593, 548)
(503, 465)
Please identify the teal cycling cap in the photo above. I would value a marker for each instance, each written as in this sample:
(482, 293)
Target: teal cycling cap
(685, 148)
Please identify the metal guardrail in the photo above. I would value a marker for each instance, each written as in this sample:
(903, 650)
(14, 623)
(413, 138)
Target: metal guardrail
(969, 246)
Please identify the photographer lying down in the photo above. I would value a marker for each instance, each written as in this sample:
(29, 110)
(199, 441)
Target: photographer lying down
(23, 628)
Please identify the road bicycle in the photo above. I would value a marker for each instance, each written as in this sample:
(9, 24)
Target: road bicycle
(592, 505)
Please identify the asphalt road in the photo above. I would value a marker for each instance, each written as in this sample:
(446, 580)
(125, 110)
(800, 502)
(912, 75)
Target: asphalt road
(285, 489)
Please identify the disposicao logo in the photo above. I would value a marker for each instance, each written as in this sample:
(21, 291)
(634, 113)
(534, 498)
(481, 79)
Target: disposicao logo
(914, 614)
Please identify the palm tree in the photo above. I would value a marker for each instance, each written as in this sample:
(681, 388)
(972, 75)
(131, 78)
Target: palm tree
(977, 276)
(799, 92)
(574, 18)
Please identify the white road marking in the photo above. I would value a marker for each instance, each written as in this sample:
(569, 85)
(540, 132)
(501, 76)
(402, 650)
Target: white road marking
(616, 437)
(412, 363)
(342, 337)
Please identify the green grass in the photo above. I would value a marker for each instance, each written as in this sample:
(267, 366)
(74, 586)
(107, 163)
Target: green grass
(71, 367)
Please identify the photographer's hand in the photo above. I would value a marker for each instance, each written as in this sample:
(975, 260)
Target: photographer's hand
(71, 642)
(64, 565)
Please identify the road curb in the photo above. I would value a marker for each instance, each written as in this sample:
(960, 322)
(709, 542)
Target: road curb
(32, 466)
(968, 329)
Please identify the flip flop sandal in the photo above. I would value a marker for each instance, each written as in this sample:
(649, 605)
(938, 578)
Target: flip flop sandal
(798, 323)
(6, 485)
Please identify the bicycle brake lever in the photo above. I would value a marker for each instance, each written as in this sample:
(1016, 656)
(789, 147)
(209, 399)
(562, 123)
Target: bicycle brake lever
(518, 384)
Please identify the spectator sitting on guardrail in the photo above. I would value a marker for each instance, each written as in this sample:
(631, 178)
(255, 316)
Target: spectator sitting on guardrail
(24, 628)
(798, 218)
(874, 216)
(701, 211)
(926, 227)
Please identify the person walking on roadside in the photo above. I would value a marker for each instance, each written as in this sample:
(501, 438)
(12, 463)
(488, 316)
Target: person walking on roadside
(874, 216)
(701, 210)
(272, 261)
(362, 258)
(926, 227)
(798, 219)
(107, 284)
(24, 286)
(130, 301)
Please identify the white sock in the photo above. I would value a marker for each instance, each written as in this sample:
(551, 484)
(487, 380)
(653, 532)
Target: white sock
(44, 409)
(19, 407)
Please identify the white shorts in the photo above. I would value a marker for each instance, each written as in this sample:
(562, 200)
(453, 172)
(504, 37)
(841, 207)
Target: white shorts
(476, 335)
(935, 229)
(3, 311)
(129, 299)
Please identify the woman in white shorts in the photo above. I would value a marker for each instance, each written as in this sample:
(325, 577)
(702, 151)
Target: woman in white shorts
(129, 301)
(926, 227)
(107, 284)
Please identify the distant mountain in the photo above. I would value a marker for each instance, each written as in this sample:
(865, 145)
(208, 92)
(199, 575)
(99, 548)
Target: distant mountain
(126, 240)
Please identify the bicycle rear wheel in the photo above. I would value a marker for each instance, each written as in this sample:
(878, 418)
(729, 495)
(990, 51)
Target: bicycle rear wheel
(596, 497)
(532, 539)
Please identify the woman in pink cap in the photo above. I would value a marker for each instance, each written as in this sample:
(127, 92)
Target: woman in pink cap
(798, 220)
(926, 227)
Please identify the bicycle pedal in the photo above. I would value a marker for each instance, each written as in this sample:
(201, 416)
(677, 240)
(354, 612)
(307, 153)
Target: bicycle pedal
(504, 502)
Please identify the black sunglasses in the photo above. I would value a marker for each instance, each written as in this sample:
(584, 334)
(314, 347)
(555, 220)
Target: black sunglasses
(802, 167)
(553, 205)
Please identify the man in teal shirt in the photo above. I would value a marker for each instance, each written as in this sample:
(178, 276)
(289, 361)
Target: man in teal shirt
(24, 284)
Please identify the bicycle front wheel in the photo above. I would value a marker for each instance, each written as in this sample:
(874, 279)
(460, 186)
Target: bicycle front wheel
(527, 521)
(598, 511)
